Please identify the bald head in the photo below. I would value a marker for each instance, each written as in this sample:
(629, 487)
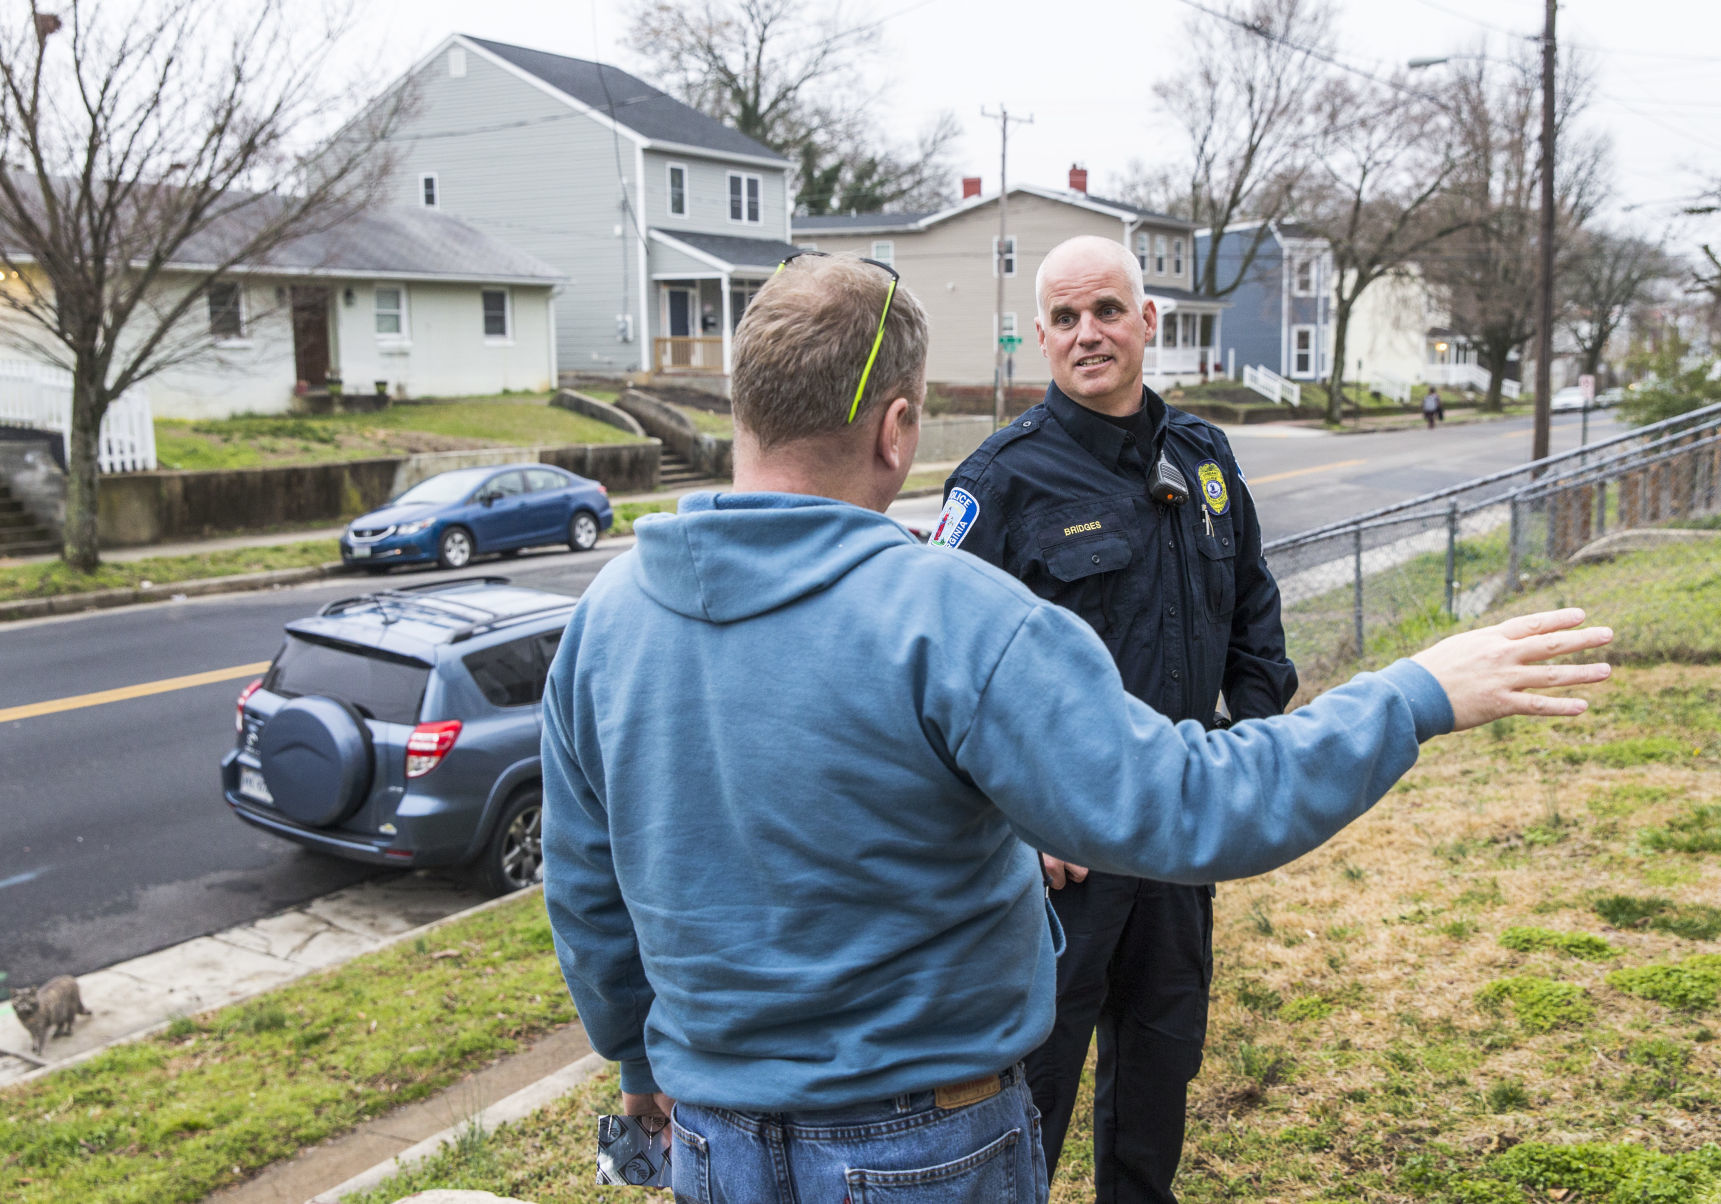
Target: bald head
(1087, 253)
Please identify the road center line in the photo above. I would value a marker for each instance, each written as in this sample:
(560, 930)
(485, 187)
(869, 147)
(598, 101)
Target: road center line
(142, 690)
(1277, 476)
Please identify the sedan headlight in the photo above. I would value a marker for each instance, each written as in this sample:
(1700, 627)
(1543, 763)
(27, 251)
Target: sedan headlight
(413, 528)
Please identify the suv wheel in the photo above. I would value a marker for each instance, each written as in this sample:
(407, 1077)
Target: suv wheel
(454, 551)
(514, 858)
(583, 531)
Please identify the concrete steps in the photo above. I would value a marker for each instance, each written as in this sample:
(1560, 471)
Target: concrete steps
(674, 472)
(20, 533)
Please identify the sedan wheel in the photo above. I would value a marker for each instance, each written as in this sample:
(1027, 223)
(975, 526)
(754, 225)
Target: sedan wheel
(455, 549)
(583, 531)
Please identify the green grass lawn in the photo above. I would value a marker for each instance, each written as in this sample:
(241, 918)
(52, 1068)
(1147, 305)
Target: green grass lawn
(54, 578)
(218, 1095)
(252, 440)
(708, 422)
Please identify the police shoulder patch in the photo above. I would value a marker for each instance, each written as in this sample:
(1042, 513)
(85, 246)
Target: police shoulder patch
(960, 510)
(1213, 491)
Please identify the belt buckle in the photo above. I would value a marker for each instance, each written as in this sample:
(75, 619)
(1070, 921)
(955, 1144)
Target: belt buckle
(960, 1095)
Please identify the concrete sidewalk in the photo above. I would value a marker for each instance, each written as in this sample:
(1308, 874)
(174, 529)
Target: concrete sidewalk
(136, 998)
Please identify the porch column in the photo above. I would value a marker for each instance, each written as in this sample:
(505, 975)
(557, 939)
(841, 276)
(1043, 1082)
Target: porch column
(728, 342)
(1218, 316)
(1159, 350)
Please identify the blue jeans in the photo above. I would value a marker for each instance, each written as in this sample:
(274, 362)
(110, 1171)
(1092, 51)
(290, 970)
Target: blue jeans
(905, 1150)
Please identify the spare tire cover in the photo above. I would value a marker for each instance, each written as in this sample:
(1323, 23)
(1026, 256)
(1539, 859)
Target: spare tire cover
(316, 755)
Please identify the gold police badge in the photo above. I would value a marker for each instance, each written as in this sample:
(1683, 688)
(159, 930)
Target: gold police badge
(1213, 490)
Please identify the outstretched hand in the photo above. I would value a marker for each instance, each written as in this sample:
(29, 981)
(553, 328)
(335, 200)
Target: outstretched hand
(655, 1104)
(1486, 673)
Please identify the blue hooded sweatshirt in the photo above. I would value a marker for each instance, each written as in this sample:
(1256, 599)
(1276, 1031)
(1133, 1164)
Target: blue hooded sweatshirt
(796, 766)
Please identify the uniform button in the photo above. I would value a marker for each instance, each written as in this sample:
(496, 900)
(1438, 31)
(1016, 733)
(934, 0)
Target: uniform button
(1128, 439)
(1172, 545)
(1171, 611)
(1026, 425)
(1096, 558)
(1174, 675)
(1226, 542)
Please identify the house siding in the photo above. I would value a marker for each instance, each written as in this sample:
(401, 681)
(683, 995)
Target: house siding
(1253, 329)
(445, 353)
(527, 169)
(949, 269)
(708, 197)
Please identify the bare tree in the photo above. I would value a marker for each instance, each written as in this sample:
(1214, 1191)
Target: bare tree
(1246, 102)
(1487, 272)
(1708, 276)
(784, 72)
(1377, 195)
(1605, 275)
(149, 151)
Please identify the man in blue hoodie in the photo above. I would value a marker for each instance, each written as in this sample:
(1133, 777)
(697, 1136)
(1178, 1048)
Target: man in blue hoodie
(796, 767)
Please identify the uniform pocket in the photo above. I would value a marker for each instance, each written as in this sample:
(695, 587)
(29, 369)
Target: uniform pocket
(987, 1176)
(1218, 567)
(690, 1167)
(1083, 558)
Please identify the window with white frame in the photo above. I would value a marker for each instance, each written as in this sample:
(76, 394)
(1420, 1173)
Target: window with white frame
(1302, 351)
(427, 190)
(390, 313)
(1141, 250)
(741, 295)
(1159, 254)
(498, 316)
(1168, 330)
(1177, 257)
(1009, 256)
(1007, 328)
(226, 311)
(744, 194)
(884, 251)
(677, 190)
(1303, 276)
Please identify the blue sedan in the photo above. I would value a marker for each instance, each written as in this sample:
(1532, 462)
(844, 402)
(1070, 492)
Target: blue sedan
(469, 512)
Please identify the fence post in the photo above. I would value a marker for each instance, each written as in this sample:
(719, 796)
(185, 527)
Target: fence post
(1452, 560)
(1601, 507)
(1357, 606)
(1513, 533)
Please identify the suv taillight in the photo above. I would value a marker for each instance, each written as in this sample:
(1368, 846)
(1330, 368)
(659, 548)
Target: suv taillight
(244, 697)
(428, 744)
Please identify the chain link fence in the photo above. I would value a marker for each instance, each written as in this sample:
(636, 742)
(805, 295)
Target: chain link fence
(1365, 590)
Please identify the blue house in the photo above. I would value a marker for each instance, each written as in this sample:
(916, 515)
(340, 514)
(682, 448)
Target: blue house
(1281, 315)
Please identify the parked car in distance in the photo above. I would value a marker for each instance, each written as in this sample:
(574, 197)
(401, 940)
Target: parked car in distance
(401, 728)
(454, 516)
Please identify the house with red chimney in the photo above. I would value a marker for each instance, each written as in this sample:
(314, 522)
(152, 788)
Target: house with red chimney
(950, 258)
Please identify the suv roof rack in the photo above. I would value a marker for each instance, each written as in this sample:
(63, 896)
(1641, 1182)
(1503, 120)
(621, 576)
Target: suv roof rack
(421, 598)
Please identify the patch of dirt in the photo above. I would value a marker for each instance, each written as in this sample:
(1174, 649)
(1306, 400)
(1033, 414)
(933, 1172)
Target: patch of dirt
(412, 442)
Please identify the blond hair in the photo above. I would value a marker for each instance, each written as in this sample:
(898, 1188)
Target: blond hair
(803, 344)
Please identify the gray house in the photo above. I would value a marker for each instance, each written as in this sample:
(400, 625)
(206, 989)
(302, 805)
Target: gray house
(664, 220)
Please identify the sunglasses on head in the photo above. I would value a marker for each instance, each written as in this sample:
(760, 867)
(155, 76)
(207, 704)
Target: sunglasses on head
(877, 339)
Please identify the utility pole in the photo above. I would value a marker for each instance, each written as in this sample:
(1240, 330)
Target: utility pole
(1545, 273)
(1003, 118)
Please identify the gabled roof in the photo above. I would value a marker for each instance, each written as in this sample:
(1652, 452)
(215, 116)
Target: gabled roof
(883, 223)
(632, 103)
(726, 251)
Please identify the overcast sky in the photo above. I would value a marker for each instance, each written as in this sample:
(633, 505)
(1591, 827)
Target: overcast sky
(1085, 73)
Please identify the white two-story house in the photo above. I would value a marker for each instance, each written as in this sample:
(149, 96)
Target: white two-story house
(664, 220)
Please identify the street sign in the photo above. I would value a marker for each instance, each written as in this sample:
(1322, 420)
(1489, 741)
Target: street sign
(1010, 342)
(1587, 386)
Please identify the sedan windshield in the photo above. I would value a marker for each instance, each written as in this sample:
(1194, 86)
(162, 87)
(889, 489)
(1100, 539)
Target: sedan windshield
(446, 487)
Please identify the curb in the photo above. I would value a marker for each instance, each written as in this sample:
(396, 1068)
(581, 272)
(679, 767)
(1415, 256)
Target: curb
(106, 599)
(515, 1107)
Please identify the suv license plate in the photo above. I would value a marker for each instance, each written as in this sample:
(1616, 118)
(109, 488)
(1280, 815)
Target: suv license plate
(251, 783)
(360, 551)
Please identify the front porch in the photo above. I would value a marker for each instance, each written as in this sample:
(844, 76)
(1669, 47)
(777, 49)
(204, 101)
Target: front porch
(702, 284)
(1185, 346)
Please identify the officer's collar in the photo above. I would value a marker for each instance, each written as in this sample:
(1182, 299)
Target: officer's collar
(1102, 439)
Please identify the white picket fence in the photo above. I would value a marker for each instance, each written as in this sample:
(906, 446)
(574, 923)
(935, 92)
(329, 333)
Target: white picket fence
(1397, 390)
(1271, 385)
(39, 396)
(1467, 376)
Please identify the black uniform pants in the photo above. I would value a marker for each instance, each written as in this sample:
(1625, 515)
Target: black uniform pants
(1138, 966)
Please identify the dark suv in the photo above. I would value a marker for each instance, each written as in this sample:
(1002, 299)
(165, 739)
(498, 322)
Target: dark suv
(401, 728)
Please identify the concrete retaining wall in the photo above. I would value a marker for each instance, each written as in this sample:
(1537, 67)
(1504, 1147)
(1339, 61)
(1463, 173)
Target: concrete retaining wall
(152, 507)
(29, 464)
(709, 454)
(945, 439)
(603, 411)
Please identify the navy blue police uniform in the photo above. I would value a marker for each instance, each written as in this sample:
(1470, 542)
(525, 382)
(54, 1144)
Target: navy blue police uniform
(1184, 602)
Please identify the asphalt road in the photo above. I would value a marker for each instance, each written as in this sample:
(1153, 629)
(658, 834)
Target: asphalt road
(114, 839)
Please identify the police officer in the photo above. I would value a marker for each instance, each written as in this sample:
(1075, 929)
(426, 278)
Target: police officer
(1134, 515)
